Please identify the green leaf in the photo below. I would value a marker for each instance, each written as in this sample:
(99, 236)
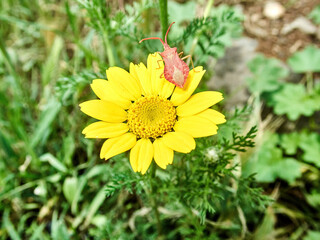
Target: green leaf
(6, 144)
(181, 12)
(9, 226)
(293, 100)
(51, 66)
(313, 198)
(266, 229)
(312, 235)
(69, 188)
(267, 73)
(47, 117)
(310, 144)
(269, 164)
(99, 220)
(290, 142)
(288, 169)
(315, 15)
(54, 162)
(59, 230)
(77, 195)
(37, 233)
(94, 206)
(213, 33)
(315, 95)
(68, 149)
(306, 60)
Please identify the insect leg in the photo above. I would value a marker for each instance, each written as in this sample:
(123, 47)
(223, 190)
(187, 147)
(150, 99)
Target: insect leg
(189, 56)
(180, 54)
(159, 64)
(160, 60)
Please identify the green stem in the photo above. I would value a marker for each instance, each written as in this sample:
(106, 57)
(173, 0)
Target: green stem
(163, 4)
(108, 47)
(208, 8)
(154, 197)
(106, 42)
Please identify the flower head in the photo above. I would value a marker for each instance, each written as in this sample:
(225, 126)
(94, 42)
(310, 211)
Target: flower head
(142, 112)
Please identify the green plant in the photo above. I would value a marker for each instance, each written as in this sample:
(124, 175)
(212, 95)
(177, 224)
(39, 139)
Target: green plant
(315, 15)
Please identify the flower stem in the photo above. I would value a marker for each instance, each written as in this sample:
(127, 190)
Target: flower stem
(108, 47)
(154, 197)
(208, 8)
(163, 4)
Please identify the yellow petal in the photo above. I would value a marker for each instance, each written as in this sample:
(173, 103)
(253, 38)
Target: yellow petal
(180, 95)
(106, 92)
(196, 126)
(179, 141)
(212, 115)
(123, 83)
(155, 69)
(117, 145)
(106, 111)
(105, 130)
(144, 78)
(132, 71)
(141, 155)
(162, 154)
(198, 103)
(166, 89)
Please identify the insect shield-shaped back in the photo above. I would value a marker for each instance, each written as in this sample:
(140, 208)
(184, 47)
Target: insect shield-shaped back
(175, 70)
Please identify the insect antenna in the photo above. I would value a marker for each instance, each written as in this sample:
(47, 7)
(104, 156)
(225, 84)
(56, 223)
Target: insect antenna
(165, 39)
(152, 38)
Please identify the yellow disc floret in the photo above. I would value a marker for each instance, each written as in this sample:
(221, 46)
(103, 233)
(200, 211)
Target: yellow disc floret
(151, 117)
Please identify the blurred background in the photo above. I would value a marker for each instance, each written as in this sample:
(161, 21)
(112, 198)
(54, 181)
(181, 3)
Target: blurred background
(258, 179)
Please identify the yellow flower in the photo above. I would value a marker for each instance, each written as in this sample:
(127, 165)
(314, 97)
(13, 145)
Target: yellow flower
(141, 111)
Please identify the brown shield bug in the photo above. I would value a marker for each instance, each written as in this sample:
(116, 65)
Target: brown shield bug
(175, 69)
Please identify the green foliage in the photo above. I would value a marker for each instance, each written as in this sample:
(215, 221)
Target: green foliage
(126, 21)
(181, 13)
(290, 142)
(312, 235)
(214, 32)
(67, 88)
(294, 101)
(313, 198)
(267, 73)
(269, 163)
(310, 144)
(306, 60)
(69, 188)
(126, 181)
(315, 15)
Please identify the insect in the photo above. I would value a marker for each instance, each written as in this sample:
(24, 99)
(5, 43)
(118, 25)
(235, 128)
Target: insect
(175, 69)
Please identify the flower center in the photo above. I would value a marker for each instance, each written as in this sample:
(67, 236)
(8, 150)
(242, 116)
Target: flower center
(151, 117)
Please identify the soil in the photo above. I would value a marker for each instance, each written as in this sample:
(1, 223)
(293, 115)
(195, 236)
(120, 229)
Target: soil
(271, 41)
